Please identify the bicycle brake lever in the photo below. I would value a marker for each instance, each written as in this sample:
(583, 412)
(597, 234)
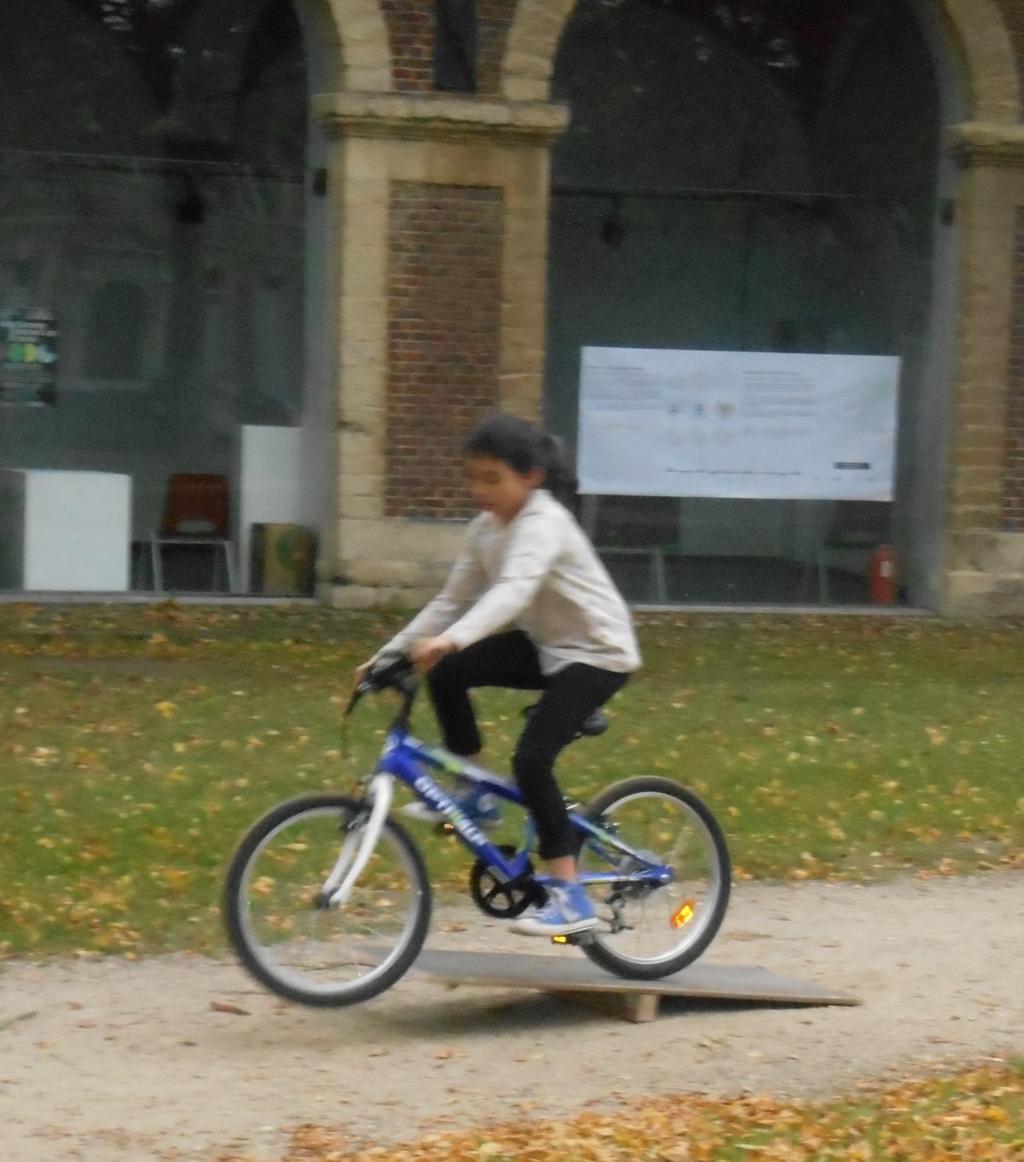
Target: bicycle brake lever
(396, 674)
(356, 697)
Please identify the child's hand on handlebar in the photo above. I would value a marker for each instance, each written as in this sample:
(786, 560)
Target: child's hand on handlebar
(428, 651)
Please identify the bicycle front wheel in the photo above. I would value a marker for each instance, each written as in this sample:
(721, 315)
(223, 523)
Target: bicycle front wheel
(650, 931)
(295, 942)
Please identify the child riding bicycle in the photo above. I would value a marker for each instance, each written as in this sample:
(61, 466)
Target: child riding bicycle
(528, 605)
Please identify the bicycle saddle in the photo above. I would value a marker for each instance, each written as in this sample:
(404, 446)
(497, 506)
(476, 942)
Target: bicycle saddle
(596, 723)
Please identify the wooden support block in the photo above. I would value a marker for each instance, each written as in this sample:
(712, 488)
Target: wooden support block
(635, 1007)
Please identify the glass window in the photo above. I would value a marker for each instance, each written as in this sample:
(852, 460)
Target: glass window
(723, 186)
(116, 332)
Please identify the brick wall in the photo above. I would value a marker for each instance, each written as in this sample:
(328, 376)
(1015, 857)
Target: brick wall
(494, 21)
(411, 28)
(411, 36)
(444, 311)
(1013, 490)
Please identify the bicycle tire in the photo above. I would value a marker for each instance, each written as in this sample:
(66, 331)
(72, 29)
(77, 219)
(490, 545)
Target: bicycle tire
(708, 905)
(250, 894)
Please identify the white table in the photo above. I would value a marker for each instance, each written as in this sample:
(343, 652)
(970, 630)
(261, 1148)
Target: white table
(64, 531)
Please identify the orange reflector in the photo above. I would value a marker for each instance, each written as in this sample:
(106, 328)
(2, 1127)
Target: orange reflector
(559, 939)
(684, 915)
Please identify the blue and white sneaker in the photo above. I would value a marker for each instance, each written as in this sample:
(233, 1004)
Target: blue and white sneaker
(474, 801)
(568, 910)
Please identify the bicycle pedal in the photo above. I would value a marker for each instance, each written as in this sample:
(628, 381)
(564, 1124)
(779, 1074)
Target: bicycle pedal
(576, 938)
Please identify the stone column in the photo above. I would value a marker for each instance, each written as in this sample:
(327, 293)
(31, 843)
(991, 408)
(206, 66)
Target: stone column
(985, 573)
(432, 195)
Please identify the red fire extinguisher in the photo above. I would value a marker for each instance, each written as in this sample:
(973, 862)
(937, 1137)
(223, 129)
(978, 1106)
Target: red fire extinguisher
(882, 575)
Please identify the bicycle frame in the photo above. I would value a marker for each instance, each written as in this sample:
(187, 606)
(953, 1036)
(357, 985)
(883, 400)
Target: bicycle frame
(406, 758)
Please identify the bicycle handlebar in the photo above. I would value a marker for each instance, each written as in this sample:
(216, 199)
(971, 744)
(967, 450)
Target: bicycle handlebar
(395, 672)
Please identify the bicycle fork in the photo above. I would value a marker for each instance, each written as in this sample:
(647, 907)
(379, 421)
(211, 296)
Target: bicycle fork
(359, 844)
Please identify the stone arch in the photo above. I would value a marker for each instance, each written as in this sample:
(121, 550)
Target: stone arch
(362, 36)
(987, 59)
(975, 27)
(532, 44)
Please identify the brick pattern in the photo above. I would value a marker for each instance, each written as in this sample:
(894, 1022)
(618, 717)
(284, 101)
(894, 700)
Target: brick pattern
(1013, 489)
(411, 28)
(494, 19)
(411, 36)
(444, 312)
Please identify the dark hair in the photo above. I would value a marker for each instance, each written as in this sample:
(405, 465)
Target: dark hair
(523, 447)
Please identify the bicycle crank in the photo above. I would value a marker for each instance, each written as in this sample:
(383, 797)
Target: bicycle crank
(504, 899)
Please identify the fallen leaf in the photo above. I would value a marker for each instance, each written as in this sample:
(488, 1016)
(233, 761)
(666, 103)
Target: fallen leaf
(228, 1007)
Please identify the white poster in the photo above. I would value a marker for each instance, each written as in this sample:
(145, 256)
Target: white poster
(737, 424)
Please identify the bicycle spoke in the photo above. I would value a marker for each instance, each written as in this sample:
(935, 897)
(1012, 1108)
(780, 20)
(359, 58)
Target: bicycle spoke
(308, 950)
(651, 928)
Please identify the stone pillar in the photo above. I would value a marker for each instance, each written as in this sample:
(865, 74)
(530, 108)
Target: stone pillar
(441, 213)
(985, 573)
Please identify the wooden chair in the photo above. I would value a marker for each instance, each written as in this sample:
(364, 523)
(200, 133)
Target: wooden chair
(197, 511)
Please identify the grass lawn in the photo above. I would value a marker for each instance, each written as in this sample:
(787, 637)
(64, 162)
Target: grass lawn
(977, 1115)
(139, 741)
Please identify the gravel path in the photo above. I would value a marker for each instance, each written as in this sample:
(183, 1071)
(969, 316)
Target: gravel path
(114, 1061)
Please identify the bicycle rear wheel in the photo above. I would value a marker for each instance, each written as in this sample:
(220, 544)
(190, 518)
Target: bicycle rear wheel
(290, 938)
(650, 931)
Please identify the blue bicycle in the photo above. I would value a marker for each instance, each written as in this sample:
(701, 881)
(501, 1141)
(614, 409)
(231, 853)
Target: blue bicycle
(327, 900)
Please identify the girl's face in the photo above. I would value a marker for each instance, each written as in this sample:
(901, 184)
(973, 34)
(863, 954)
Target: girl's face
(497, 488)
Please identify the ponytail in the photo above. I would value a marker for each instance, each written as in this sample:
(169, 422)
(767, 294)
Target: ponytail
(523, 447)
(559, 479)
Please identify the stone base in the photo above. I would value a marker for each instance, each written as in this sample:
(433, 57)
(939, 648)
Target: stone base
(970, 594)
(375, 597)
(987, 579)
(988, 576)
(999, 554)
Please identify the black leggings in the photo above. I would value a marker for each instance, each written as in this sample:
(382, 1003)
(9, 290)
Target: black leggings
(570, 696)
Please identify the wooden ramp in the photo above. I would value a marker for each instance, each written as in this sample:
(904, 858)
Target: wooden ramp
(633, 1000)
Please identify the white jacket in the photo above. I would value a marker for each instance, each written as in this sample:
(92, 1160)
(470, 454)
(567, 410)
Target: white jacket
(541, 574)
